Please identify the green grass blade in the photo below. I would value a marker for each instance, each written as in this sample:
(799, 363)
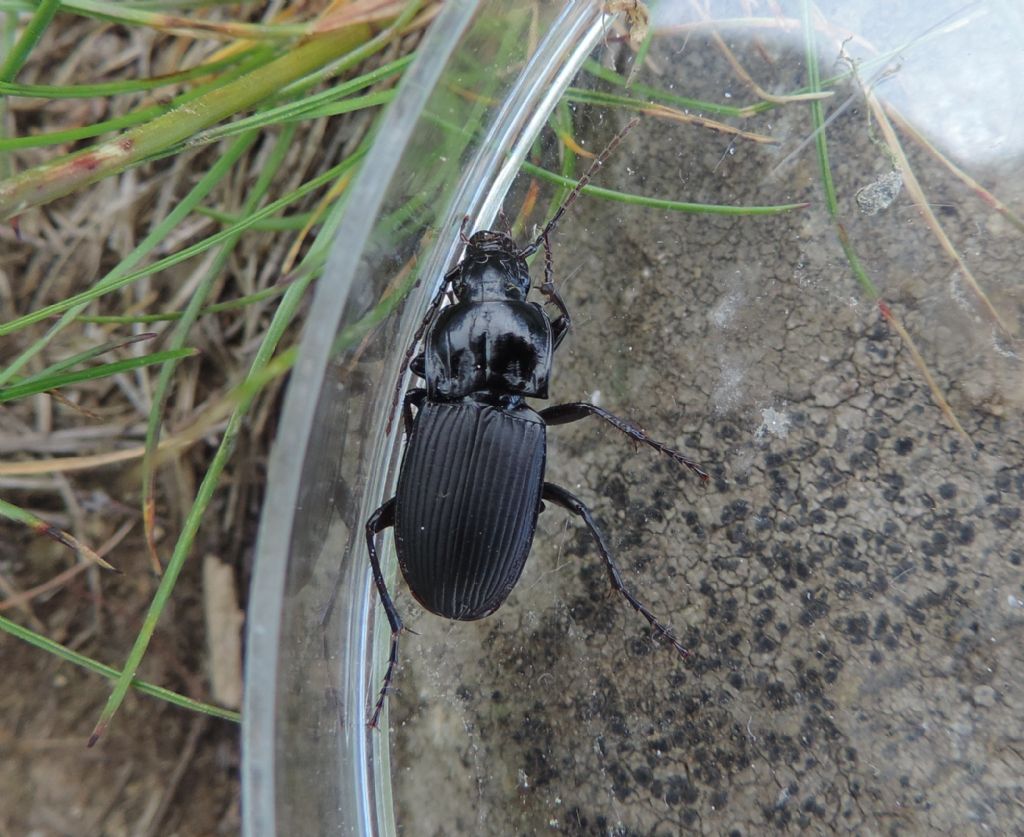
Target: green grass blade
(291, 223)
(825, 170)
(660, 203)
(646, 95)
(34, 387)
(282, 319)
(114, 88)
(370, 100)
(86, 356)
(818, 113)
(228, 305)
(109, 282)
(64, 653)
(29, 38)
(302, 109)
(255, 59)
(48, 530)
(75, 303)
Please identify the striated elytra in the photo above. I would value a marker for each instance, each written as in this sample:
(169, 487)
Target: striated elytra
(471, 484)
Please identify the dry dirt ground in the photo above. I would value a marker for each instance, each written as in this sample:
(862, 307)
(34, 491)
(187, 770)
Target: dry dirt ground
(158, 769)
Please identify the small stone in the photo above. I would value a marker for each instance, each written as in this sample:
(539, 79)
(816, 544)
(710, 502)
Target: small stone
(984, 696)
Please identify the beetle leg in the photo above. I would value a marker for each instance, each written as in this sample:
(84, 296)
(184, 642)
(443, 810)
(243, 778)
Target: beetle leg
(558, 495)
(418, 366)
(559, 328)
(421, 330)
(566, 413)
(547, 289)
(413, 398)
(380, 520)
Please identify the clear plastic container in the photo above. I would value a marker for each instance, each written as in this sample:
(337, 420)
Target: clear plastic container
(311, 764)
(849, 581)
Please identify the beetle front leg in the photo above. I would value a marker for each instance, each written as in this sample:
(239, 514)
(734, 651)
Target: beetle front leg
(566, 413)
(421, 330)
(380, 520)
(413, 398)
(558, 495)
(561, 326)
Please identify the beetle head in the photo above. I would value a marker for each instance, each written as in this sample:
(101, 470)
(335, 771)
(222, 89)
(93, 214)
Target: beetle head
(492, 268)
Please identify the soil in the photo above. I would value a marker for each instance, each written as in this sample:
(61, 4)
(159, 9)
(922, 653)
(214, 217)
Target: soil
(849, 582)
(158, 769)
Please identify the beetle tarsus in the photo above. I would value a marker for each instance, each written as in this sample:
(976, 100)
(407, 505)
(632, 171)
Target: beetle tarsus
(566, 413)
(571, 503)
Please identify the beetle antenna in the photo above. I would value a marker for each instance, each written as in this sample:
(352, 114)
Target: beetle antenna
(602, 158)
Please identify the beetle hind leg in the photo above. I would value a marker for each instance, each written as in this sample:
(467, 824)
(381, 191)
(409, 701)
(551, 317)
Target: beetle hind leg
(380, 520)
(570, 502)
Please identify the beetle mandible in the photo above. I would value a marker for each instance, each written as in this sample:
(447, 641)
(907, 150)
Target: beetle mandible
(471, 483)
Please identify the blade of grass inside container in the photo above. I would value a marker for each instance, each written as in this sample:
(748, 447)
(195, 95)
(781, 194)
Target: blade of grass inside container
(832, 206)
(647, 94)
(597, 97)
(914, 189)
(661, 203)
(984, 194)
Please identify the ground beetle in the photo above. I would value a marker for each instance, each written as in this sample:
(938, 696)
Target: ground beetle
(471, 484)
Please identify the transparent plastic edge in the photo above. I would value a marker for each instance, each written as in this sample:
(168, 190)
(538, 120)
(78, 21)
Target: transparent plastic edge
(273, 542)
(504, 149)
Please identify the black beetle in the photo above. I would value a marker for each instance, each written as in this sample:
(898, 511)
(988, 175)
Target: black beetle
(471, 484)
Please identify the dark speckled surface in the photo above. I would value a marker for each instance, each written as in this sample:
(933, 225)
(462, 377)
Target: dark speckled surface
(850, 581)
